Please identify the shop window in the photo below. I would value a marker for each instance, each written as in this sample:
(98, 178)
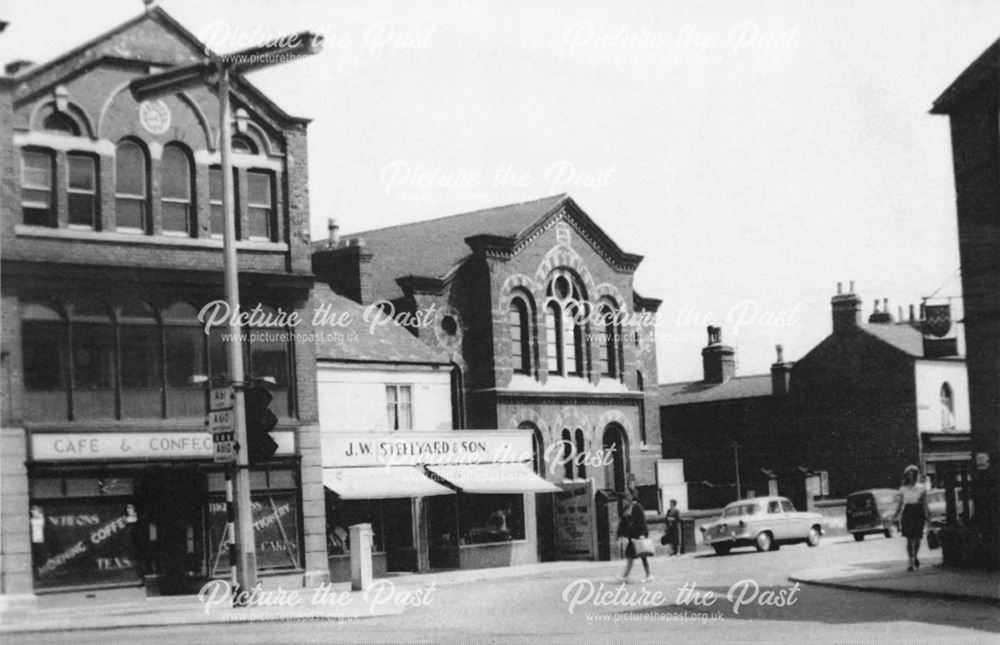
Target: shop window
(141, 366)
(81, 188)
(260, 205)
(342, 514)
(484, 519)
(275, 517)
(37, 171)
(184, 344)
(520, 335)
(399, 406)
(45, 352)
(94, 362)
(131, 187)
(175, 190)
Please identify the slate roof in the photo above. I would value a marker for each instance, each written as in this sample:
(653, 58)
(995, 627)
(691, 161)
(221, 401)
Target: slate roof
(388, 343)
(740, 387)
(432, 248)
(901, 336)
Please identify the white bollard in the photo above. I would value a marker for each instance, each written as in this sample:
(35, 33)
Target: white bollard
(361, 556)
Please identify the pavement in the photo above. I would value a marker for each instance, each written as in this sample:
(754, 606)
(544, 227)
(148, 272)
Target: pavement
(394, 595)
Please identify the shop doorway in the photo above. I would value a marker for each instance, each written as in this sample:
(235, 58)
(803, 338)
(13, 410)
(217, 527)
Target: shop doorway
(442, 532)
(173, 528)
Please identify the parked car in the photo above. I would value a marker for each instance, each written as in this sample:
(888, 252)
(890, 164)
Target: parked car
(872, 511)
(762, 522)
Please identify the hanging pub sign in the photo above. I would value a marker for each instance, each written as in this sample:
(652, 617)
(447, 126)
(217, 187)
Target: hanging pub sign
(937, 320)
(82, 542)
(275, 529)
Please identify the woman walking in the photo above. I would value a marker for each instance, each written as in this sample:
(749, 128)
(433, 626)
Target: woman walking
(913, 510)
(633, 527)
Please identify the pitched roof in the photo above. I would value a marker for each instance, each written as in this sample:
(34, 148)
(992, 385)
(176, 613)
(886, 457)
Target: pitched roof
(431, 248)
(740, 387)
(356, 341)
(983, 75)
(901, 336)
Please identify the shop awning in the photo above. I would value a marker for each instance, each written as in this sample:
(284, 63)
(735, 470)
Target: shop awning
(494, 478)
(381, 482)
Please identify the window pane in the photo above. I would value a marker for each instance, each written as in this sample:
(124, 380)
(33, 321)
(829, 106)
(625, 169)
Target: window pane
(130, 170)
(269, 355)
(552, 339)
(140, 356)
(258, 223)
(37, 169)
(185, 355)
(43, 344)
(176, 217)
(36, 188)
(81, 209)
(93, 356)
(81, 173)
(131, 213)
(570, 341)
(259, 189)
(215, 184)
(175, 174)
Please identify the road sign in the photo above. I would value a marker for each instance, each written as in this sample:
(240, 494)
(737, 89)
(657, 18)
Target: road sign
(220, 421)
(220, 398)
(224, 449)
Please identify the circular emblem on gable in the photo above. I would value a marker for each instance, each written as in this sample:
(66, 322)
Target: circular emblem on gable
(154, 116)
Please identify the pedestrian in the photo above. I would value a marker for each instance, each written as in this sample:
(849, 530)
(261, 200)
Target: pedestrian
(632, 527)
(912, 508)
(672, 530)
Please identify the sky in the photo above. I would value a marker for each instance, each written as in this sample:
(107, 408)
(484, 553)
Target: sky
(756, 153)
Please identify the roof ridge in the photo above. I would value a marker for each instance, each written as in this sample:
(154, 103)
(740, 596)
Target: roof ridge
(444, 217)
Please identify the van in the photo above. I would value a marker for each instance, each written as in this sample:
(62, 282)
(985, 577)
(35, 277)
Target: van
(872, 511)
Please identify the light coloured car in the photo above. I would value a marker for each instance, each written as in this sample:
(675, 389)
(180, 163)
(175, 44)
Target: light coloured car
(762, 522)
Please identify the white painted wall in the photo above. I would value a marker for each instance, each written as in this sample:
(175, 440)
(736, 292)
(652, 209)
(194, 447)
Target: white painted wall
(930, 375)
(352, 397)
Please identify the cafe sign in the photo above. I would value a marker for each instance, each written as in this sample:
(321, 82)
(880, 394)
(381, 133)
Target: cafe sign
(82, 446)
(418, 448)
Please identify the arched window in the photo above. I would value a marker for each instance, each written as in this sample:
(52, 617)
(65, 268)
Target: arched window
(615, 442)
(142, 374)
(45, 361)
(564, 333)
(567, 457)
(175, 190)
(94, 361)
(184, 343)
(947, 407)
(581, 449)
(537, 447)
(520, 335)
(59, 122)
(131, 178)
(610, 349)
(244, 145)
(553, 336)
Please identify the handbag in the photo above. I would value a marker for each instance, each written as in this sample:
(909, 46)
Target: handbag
(643, 546)
(933, 540)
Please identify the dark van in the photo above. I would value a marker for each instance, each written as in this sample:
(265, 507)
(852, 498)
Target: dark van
(872, 511)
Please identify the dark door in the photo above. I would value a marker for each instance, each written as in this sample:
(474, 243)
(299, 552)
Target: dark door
(173, 524)
(442, 531)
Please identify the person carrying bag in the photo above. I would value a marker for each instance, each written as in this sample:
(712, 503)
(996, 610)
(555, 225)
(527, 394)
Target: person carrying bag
(633, 528)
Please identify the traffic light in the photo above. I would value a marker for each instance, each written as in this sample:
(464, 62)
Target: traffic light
(260, 421)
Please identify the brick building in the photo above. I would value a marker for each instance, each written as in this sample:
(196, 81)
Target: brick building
(110, 221)
(850, 414)
(972, 103)
(534, 306)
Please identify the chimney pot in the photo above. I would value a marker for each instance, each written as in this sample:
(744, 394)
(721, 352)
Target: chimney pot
(840, 288)
(334, 238)
(852, 286)
(912, 314)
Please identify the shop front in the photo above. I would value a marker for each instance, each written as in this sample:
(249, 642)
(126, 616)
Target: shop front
(147, 510)
(448, 500)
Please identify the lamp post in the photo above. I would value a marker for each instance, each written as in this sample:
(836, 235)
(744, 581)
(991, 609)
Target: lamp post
(218, 71)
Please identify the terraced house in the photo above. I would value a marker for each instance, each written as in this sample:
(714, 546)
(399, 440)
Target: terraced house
(111, 243)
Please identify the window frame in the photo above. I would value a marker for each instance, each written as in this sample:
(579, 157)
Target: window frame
(93, 193)
(187, 203)
(141, 200)
(269, 208)
(50, 207)
(394, 404)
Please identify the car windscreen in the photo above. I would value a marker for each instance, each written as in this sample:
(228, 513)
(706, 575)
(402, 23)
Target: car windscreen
(743, 509)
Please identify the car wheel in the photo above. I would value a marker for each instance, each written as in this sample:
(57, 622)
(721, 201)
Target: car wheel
(859, 537)
(889, 531)
(813, 539)
(763, 541)
(721, 549)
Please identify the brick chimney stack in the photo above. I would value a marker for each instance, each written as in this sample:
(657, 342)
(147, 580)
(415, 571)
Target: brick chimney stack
(846, 310)
(781, 373)
(347, 269)
(718, 360)
(881, 317)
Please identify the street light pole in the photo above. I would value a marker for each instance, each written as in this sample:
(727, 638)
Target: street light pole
(173, 81)
(246, 551)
